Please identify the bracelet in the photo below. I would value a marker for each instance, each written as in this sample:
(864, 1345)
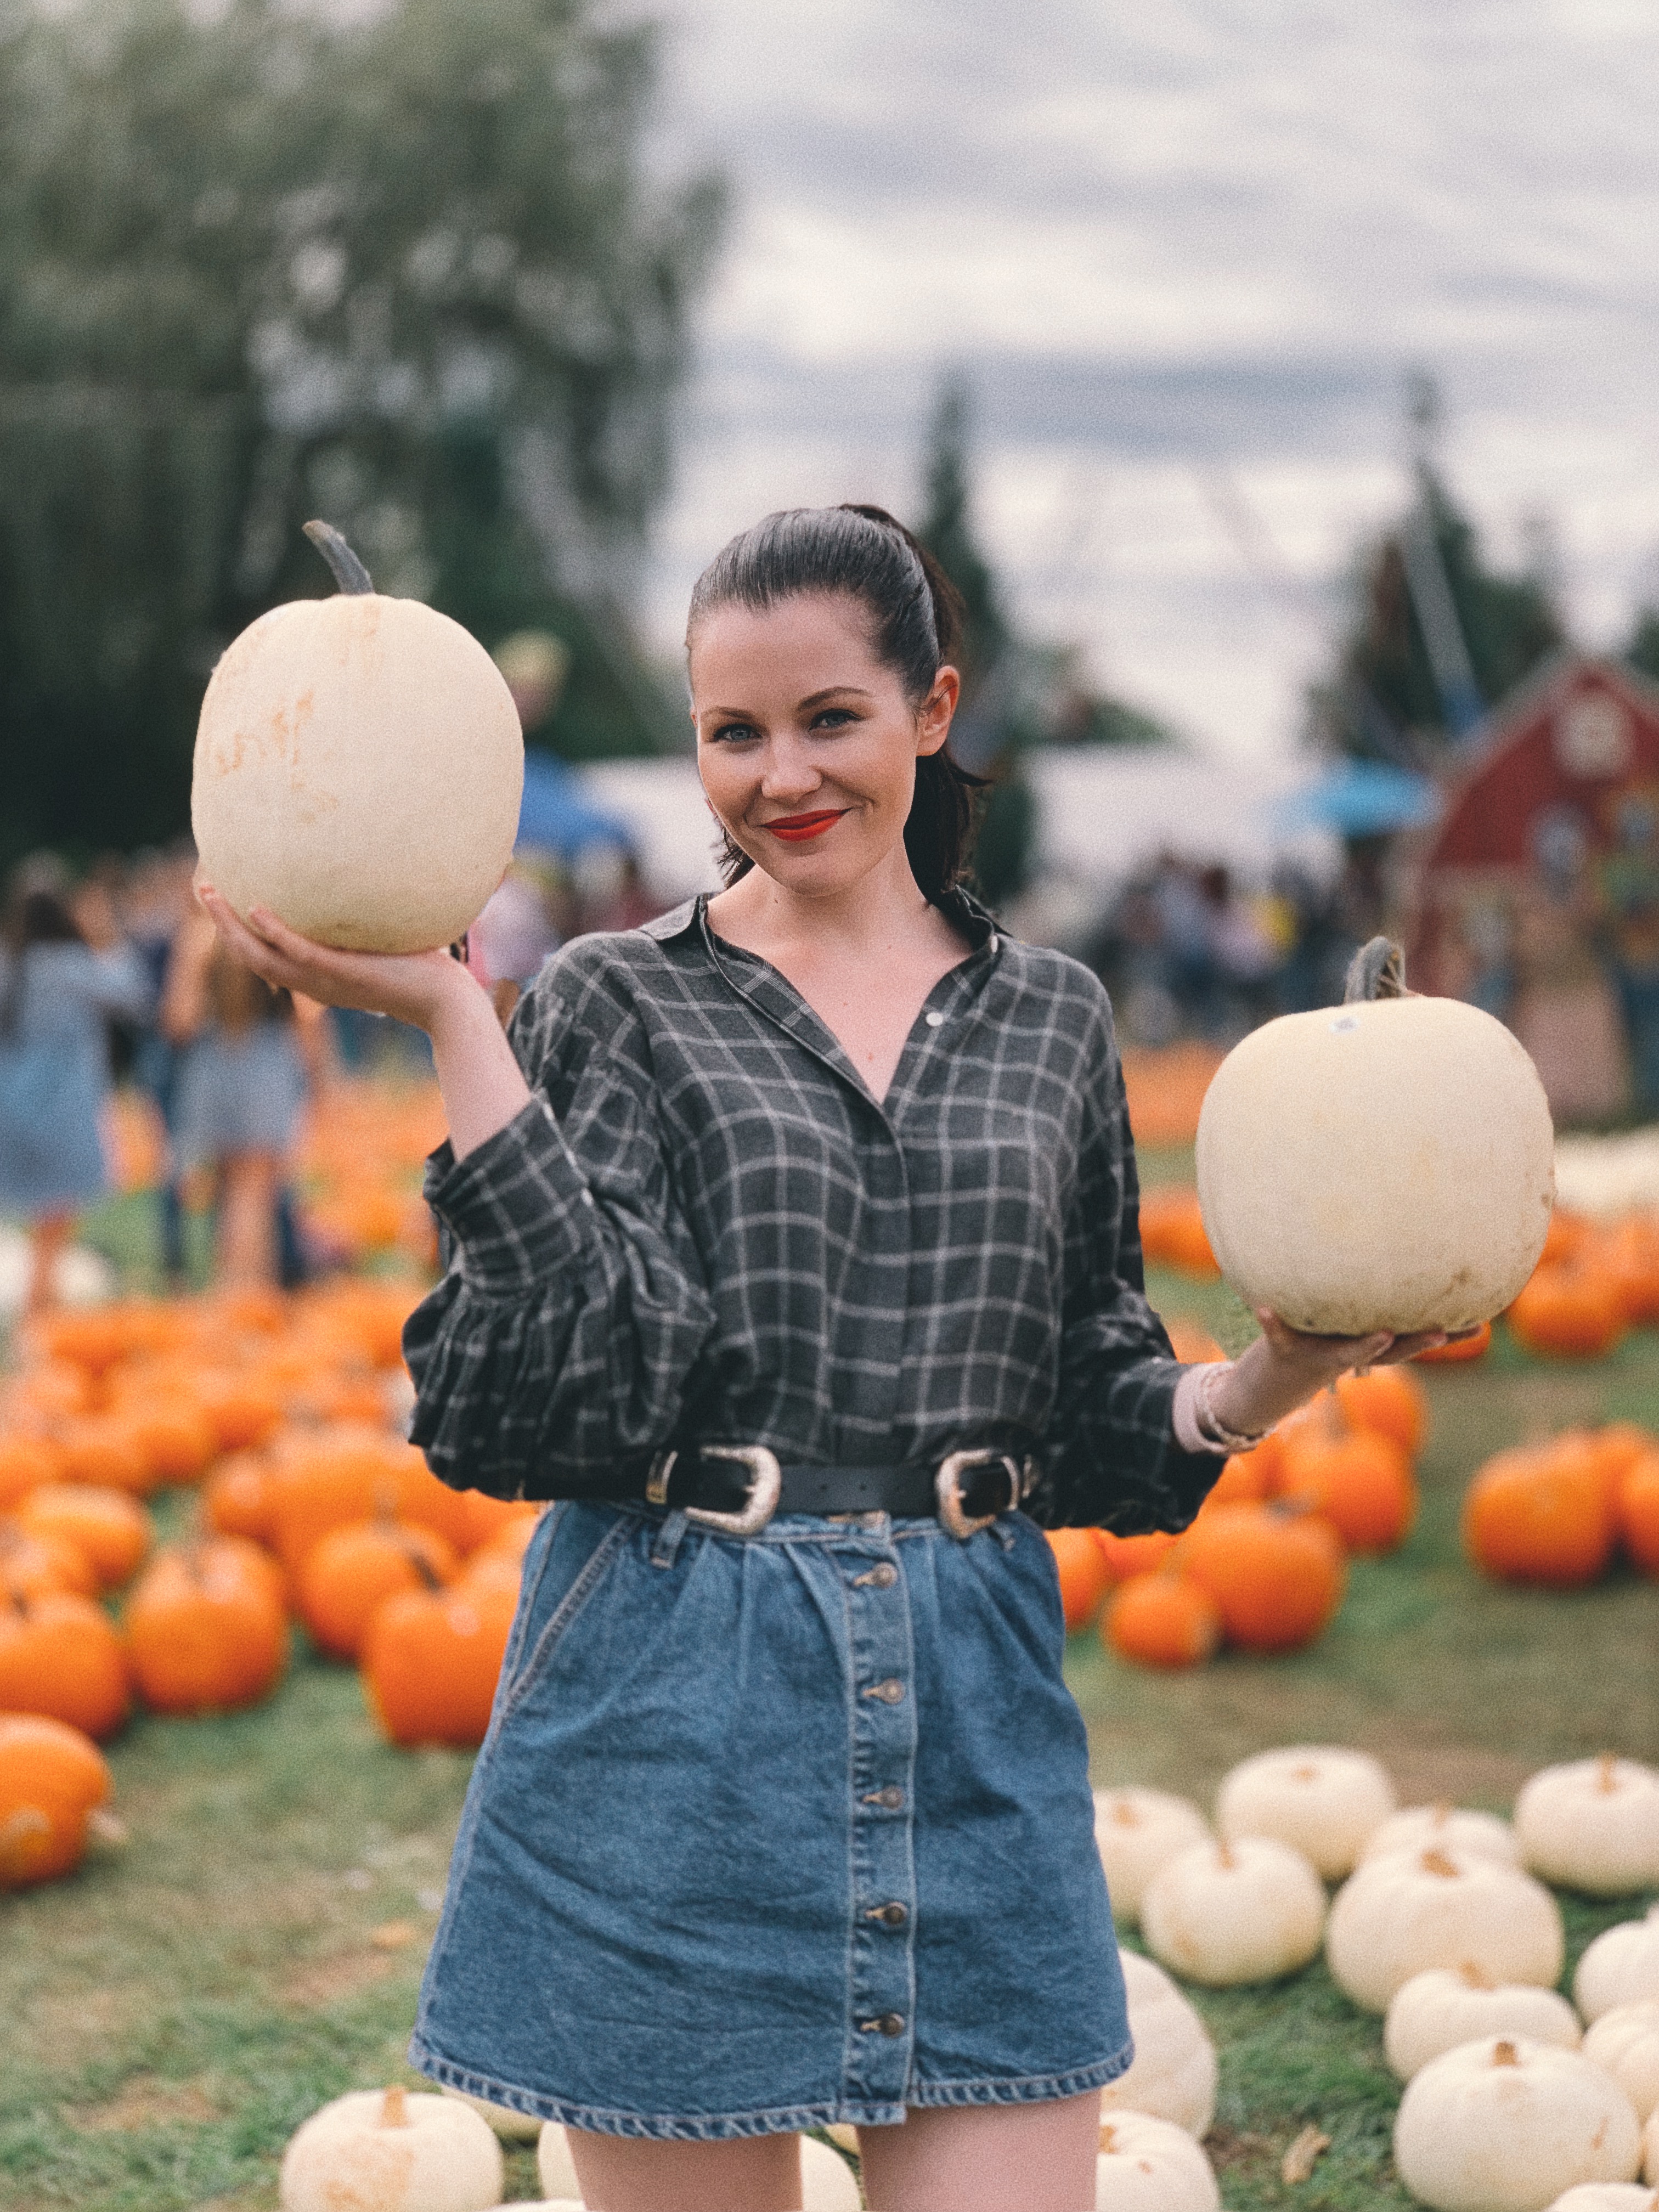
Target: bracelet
(1210, 1423)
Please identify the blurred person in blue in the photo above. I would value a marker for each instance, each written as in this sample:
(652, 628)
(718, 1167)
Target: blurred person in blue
(157, 902)
(66, 972)
(243, 1082)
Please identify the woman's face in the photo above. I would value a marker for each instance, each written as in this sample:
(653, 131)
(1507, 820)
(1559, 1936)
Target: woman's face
(806, 743)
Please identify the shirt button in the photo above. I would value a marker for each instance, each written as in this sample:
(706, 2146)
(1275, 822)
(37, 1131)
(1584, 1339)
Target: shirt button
(890, 2023)
(935, 1020)
(889, 1799)
(881, 1577)
(892, 1916)
(889, 1692)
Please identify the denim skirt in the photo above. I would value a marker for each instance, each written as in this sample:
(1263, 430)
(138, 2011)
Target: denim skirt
(772, 1831)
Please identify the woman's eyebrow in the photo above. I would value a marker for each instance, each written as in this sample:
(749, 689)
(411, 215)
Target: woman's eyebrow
(832, 691)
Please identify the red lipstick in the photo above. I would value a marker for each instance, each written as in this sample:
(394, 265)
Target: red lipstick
(796, 828)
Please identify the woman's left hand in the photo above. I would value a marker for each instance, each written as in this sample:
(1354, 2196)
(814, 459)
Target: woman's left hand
(1286, 1367)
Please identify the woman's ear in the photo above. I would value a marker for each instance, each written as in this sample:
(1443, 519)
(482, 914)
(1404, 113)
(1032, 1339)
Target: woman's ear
(933, 716)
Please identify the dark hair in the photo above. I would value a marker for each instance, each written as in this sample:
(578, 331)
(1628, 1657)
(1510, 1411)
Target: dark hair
(915, 613)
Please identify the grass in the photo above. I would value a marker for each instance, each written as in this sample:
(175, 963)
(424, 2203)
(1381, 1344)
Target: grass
(169, 2016)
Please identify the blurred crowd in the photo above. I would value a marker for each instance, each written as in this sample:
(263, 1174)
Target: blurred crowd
(117, 975)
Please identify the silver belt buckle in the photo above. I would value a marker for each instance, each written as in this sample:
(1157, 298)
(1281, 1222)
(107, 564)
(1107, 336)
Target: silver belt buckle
(947, 1488)
(765, 1488)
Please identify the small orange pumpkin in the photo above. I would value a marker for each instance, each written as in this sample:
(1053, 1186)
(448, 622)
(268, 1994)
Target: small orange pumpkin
(1458, 1349)
(206, 1628)
(174, 1434)
(240, 1498)
(487, 1518)
(1568, 1312)
(60, 1655)
(25, 1462)
(431, 1661)
(1132, 1555)
(1540, 1514)
(111, 1530)
(1638, 1513)
(1362, 1483)
(1162, 1620)
(1386, 1402)
(31, 1564)
(1275, 1575)
(351, 1571)
(1084, 1577)
(53, 1778)
(108, 1452)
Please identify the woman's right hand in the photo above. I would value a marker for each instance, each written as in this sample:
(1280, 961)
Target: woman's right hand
(422, 988)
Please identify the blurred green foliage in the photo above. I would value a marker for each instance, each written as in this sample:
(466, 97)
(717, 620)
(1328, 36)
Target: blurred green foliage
(410, 273)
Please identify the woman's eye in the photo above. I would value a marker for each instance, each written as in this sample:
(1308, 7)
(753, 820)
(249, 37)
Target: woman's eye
(833, 718)
(732, 732)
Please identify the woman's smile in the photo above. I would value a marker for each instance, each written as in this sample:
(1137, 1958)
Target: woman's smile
(796, 828)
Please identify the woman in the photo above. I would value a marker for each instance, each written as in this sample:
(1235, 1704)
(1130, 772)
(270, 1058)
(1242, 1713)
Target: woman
(65, 972)
(787, 1820)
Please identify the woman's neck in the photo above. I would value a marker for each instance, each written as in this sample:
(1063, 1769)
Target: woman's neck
(881, 910)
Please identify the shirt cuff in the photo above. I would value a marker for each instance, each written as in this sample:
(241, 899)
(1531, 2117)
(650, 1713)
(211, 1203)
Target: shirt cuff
(517, 1205)
(1187, 1434)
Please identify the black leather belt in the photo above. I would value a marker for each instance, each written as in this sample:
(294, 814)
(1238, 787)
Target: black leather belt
(737, 1488)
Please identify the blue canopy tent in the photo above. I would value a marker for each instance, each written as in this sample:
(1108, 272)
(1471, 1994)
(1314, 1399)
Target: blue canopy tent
(1360, 799)
(557, 816)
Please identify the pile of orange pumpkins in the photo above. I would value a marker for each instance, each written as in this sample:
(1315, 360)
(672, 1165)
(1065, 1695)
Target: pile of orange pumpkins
(283, 1413)
(1558, 1512)
(1264, 1566)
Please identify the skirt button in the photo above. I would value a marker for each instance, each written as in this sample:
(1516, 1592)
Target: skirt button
(890, 2023)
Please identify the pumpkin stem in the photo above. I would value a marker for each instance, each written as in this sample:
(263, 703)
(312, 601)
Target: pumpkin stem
(1503, 2053)
(1438, 1862)
(1441, 1814)
(394, 2112)
(1377, 970)
(1225, 1857)
(349, 572)
(1606, 1773)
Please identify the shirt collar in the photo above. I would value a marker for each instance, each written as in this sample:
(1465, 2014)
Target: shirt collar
(960, 909)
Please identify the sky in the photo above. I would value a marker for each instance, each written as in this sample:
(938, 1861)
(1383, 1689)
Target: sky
(1184, 253)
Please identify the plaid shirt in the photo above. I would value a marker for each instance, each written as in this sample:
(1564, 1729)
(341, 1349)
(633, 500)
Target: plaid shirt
(704, 1226)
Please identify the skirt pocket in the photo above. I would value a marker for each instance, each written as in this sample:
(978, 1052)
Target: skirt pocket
(577, 1554)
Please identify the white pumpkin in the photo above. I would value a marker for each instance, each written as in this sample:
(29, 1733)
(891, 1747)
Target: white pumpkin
(1322, 1799)
(1440, 1827)
(510, 2126)
(1625, 2043)
(1606, 2196)
(1621, 1967)
(1650, 2149)
(1385, 1165)
(555, 2168)
(1138, 1831)
(1225, 1913)
(1592, 1826)
(358, 770)
(1506, 2126)
(1445, 2006)
(1146, 2165)
(390, 2150)
(827, 2182)
(1174, 2075)
(1397, 1916)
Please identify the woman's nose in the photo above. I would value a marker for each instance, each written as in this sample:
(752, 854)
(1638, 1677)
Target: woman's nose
(789, 771)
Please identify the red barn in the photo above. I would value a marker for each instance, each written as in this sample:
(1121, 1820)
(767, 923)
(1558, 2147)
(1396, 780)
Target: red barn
(1544, 866)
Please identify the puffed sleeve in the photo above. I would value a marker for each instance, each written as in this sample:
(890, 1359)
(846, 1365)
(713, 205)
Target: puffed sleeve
(1111, 1457)
(557, 1347)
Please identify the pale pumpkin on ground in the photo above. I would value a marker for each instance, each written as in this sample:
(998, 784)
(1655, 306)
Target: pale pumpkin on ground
(1435, 1828)
(510, 2126)
(1504, 2126)
(1592, 1826)
(1621, 1967)
(1384, 1165)
(1625, 2043)
(1137, 1832)
(1606, 2196)
(1174, 2075)
(391, 2150)
(1225, 1914)
(1398, 1916)
(1146, 2165)
(358, 770)
(1445, 2006)
(1322, 1799)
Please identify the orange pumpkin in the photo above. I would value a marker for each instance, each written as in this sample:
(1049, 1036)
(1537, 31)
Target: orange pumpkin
(1539, 1515)
(1614, 1450)
(351, 1571)
(1568, 1235)
(30, 1565)
(1084, 1577)
(240, 1498)
(1162, 1620)
(1362, 1483)
(1475, 1347)
(488, 1517)
(106, 1451)
(1568, 1312)
(242, 1410)
(48, 1392)
(1172, 1229)
(206, 1628)
(337, 1477)
(1191, 1344)
(423, 1500)
(91, 1338)
(52, 1777)
(1388, 1402)
(112, 1530)
(431, 1661)
(1275, 1575)
(174, 1434)
(1132, 1555)
(1638, 1513)
(1243, 1481)
(25, 1462)
(60, 1655)
(1630, 1254)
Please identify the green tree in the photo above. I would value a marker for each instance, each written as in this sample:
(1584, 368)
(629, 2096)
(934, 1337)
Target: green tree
(407, 273)
(1641, 648)
(1383, 696)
